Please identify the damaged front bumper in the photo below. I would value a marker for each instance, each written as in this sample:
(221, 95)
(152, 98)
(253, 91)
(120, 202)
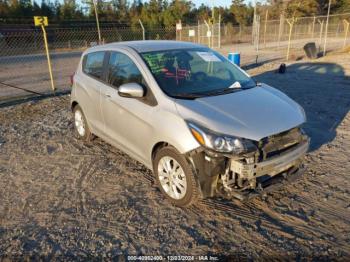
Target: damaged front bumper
(245, 180)
(246, 177)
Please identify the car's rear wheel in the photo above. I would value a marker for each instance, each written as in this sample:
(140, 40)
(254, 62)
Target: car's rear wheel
(80, 124)
(175, 177)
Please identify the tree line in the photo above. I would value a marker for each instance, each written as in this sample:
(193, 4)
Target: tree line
(161, 13)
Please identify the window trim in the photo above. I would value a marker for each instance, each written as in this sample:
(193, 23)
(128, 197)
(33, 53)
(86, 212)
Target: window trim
(102, 79)
(149, 98)
(107, 71)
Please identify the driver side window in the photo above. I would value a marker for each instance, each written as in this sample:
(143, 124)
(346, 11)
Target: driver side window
(122, 70)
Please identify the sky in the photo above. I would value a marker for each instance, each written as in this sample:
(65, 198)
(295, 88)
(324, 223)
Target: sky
(210, 2)
(225, 3)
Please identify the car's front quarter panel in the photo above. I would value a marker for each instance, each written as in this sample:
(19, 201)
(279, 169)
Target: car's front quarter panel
(172, 129)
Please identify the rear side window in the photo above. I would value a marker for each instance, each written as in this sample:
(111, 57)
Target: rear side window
(93, 64)
(122, 70)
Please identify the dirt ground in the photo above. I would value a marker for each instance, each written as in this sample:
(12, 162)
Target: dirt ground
(62, 197)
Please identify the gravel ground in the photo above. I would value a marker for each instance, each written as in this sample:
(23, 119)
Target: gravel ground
(60, 197)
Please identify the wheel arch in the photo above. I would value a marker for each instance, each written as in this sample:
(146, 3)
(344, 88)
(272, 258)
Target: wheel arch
(156, 148)
(73, 105)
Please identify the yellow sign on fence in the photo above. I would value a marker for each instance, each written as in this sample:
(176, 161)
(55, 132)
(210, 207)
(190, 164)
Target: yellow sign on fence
(41, 21)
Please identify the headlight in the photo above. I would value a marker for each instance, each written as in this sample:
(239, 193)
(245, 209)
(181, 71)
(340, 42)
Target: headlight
(220, 143)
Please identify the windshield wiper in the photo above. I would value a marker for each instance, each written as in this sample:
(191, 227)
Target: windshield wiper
(186, 96)
(221, 92)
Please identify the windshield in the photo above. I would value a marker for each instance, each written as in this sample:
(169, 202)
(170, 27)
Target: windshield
(192, 73)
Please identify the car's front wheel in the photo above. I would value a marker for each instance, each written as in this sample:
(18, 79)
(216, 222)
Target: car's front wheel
(175, 177)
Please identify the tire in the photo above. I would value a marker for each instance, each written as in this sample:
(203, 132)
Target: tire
(186, 191)
(80, 125)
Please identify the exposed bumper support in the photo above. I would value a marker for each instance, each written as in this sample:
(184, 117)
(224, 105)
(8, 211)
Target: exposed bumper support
(267, 175)
(270, 185)
(270, 167)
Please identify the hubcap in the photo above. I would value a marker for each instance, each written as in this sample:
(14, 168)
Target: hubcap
(172, 177)
(79, 123)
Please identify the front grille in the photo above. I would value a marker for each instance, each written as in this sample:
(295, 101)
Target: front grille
(280, 151)
(280, 143)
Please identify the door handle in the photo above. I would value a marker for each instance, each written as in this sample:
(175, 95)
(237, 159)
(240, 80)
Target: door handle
(107, 95)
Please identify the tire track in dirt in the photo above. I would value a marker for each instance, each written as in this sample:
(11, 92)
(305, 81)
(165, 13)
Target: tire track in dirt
(85, 171)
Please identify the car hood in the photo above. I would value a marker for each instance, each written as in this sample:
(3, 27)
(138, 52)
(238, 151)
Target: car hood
(253, 113)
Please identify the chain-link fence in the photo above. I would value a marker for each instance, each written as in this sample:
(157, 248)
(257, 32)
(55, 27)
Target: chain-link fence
(24, 70)
(275, 33)
(206, 34)
(23, 63)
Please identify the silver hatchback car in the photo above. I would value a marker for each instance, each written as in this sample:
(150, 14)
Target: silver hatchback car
(198, 121)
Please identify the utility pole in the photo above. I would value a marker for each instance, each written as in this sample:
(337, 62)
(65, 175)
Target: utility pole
(213, 23)
(143, 30)
(97, 22)
(254, 24)
(265, 27)
(212, 12)
(326, 33)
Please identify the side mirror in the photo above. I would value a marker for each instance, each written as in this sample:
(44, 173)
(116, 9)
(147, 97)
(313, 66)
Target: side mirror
(132, 90)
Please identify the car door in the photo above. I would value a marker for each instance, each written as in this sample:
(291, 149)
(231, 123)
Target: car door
(90, 83)
(127, 120)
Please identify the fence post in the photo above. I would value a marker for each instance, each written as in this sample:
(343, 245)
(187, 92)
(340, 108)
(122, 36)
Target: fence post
(265, 27)
(179, 28)
(212, 35)
(208, 30)
(280, 29)
(219, 30)
(240, 33)
(198, 32)
(338, 28)
(313, 27)
(291, 24)
(257, 37)
(321, 31)
(346, 25)
(143, 30)
(326, 32)
(254, 24)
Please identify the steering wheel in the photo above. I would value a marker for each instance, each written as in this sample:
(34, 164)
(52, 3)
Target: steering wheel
(199, 76)
(223, 71)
